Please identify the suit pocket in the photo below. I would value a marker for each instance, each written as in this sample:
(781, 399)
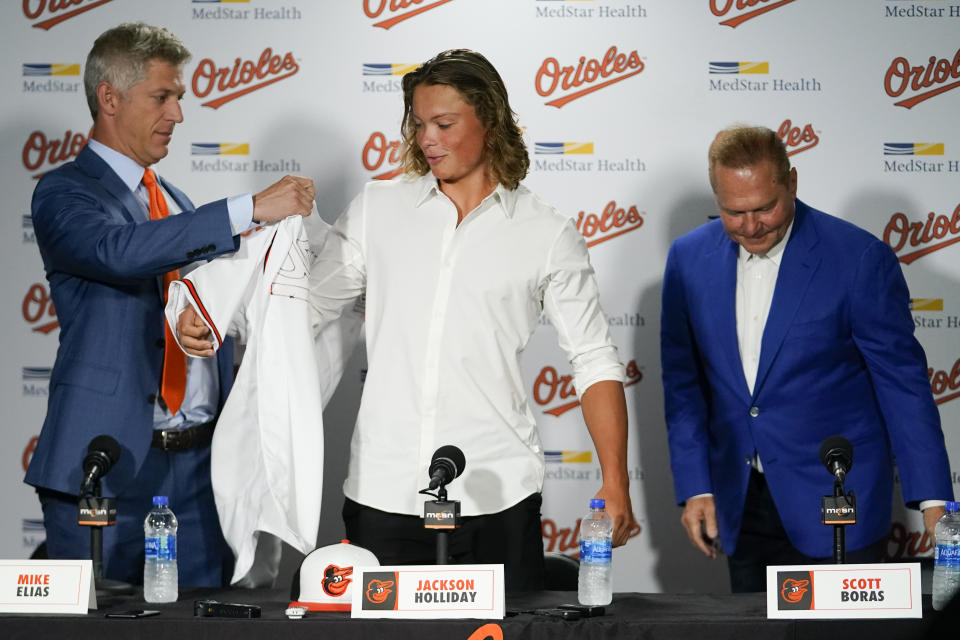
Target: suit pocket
(828, 327)
(89, 376)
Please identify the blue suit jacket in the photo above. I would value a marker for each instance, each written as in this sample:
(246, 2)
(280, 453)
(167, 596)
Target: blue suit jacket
(838, 356)
(104, 260)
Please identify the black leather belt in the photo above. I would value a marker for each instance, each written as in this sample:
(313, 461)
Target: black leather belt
(183, 439)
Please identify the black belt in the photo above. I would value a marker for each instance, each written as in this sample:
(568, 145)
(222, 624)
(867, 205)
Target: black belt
(183, 439)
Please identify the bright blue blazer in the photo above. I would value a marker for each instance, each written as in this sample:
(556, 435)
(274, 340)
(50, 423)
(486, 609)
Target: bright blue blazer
(104, 260)
(838, 356)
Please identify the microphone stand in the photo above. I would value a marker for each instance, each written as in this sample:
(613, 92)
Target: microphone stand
(101, 513)
(442, 516)
(839, 510)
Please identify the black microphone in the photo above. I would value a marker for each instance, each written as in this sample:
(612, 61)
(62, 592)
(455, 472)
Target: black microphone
(447, 464)
(102, 453)
(836, 453)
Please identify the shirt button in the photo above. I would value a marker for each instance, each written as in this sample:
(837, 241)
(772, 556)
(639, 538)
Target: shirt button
(754, 412)
(747, 460)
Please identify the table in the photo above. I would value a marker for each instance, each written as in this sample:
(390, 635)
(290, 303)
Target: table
(632, 615)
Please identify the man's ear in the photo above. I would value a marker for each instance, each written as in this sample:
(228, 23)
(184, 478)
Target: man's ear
(107, 98)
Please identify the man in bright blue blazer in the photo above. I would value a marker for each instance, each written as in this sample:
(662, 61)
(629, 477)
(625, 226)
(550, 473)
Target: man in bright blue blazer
(782, 325)
(105, 259)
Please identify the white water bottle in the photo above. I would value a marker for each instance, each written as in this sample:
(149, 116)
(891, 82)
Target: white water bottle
(160, 579)
(595, 585)
(946, 567)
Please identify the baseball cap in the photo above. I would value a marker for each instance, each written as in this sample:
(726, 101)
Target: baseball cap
(325, 578)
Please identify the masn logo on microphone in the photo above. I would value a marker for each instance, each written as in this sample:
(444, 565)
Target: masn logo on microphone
(385, 77)
(596, 9)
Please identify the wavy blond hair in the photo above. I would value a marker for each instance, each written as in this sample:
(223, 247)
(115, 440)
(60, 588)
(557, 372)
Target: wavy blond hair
(481, 87)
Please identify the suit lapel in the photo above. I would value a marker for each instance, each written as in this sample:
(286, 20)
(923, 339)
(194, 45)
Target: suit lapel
(721, 285)
(94, 166)
(800, 261)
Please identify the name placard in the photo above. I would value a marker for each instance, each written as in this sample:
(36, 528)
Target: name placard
(844, 591)
(429, 591)
(47, 586)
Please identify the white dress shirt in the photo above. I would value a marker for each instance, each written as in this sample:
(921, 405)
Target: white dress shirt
(449, 310)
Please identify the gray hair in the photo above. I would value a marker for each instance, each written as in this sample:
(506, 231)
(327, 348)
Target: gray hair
(120, 57)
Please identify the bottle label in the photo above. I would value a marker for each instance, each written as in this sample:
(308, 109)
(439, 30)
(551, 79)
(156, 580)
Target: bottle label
(596, 551)
(161, 547)
(947, 554)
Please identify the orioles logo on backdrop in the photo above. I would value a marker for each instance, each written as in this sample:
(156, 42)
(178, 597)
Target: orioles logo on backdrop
(336, 580)
(53, 12)
(926, 80)
(904, 542)
(945, 386)
(793, 590)
(242, 77)
(914, 240)
(28, 452)
(797, 139)
(550, 387)
(378, 152)
(379, 590)
(396, 11)
(586, 76)
(41, 151)
(721, 8)
(611, 223)
(38, 309)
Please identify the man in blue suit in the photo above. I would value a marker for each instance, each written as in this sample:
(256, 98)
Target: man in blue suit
(782, 325)
(105, 259)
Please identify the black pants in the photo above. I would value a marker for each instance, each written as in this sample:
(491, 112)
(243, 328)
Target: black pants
(511, 537)
(763, 541)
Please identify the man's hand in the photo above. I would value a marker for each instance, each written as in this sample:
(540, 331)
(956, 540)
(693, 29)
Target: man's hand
(291, 195)
(620, 509)
(930, 517)
(697, 511)
(194, 335)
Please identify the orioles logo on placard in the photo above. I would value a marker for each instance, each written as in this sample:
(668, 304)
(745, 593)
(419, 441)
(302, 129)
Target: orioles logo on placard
(59, 10)
(590, 73)
(336, 580)
(937, 232)
(937, 76)
(399, 10)
(379, 590)
(244, 77)
(793, 590)
(721, 8)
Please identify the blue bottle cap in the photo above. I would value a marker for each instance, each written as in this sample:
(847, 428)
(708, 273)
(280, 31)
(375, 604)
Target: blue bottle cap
(159, 501)
(598, 503)
(951, 507)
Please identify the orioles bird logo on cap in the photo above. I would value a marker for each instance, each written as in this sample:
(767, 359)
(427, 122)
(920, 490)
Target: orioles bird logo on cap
(336, 580)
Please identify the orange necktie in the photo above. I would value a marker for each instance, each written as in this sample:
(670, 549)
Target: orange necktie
(173, 384)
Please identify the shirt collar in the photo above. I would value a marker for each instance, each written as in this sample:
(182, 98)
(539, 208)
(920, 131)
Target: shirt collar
(776, 251)
(129, 171)
(506, 198)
